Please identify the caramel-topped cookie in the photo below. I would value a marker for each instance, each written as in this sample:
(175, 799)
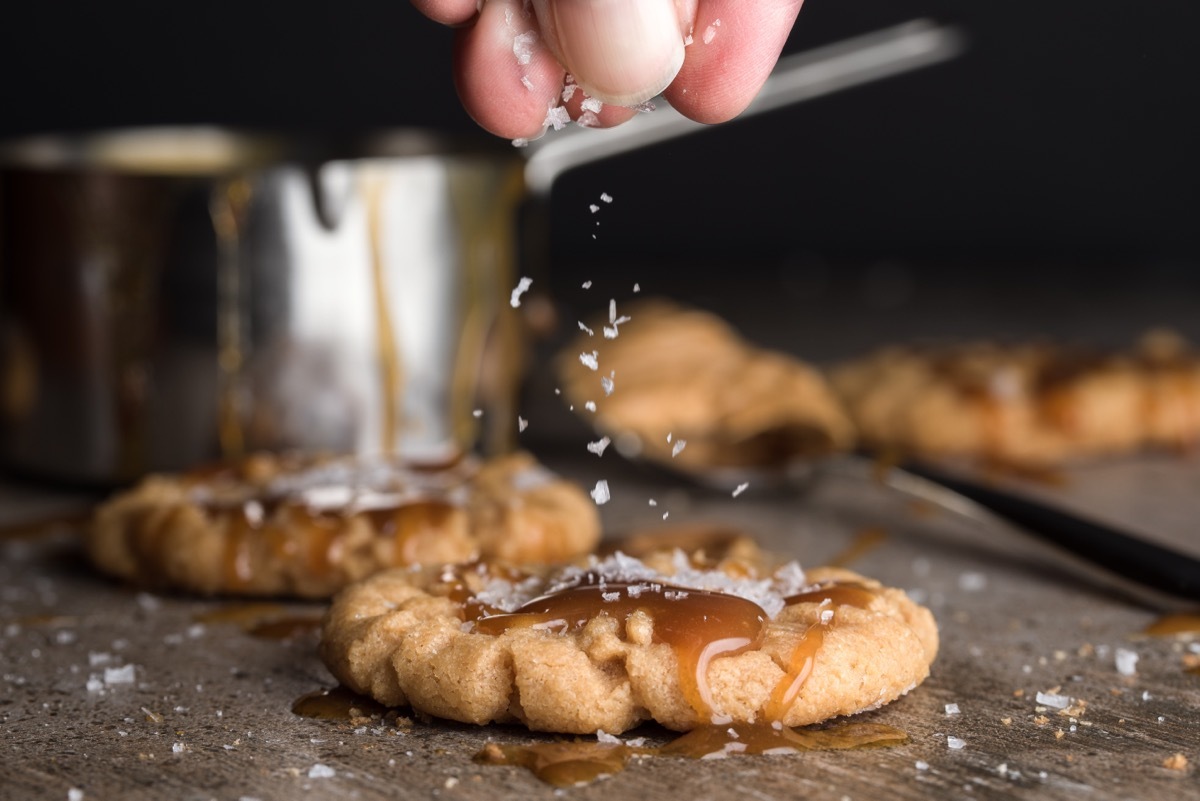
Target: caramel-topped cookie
(684, 375)
(610, 643)
(1024, 404)
(306, 526)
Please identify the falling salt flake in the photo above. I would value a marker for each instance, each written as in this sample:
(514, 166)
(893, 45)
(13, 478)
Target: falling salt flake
(666, 515)
(583, 327)
(557, 391)
(593, 208)
(1053, 700)
(589, 360)
(653, 502)
(607, 198)
(557, 118)
(74, 794)
(952, 709)
(178, 748)
(587, 284)
(680, 444)
(600, 494)
(522, 287)
(590, 406)
(955, 743)
(740, 488)
(972, 582)
(598, 446)
(592, 104)
(319, 771)
(477, 413)
(669, 435)
(637, 287)
(522, 423)
(607, 384)
(523, 45)
(610, 332)
(1126, 661)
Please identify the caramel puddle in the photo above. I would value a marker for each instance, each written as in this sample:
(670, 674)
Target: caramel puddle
(574, 763)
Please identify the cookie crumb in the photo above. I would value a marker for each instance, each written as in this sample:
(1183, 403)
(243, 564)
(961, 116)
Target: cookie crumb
(1175, 762)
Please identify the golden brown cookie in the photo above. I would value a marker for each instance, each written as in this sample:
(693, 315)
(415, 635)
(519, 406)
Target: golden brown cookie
(1024, 403)
(307, 526)
(687, 390)
(612, 643)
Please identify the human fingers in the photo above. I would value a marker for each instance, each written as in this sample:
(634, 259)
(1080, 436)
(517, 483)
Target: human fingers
(622, 52)
(506, 77)
(447, 12)
(735, 44)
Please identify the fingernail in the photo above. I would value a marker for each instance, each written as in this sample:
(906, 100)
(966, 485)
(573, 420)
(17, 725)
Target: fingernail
(623, 52)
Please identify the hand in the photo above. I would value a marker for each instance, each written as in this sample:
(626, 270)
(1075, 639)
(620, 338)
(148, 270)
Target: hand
(512, 57)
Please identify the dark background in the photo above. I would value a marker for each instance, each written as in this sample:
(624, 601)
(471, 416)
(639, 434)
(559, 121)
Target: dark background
(1055, 160)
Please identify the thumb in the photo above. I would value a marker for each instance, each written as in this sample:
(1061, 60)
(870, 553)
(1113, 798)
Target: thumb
(622, 52)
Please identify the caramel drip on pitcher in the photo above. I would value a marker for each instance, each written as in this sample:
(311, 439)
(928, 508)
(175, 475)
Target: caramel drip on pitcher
(698, 625)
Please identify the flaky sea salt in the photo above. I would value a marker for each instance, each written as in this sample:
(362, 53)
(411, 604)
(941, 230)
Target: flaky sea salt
(598, 446)
(178, 748)
(637, 288)
(607, 198)
(590, 406)
(523, 46)
(610, 332)
(607, 384)
(521, 288)
(74, 794)
(590, 360)
(522, 423)
(740, 488)
(600, 494)
(955, 743)
(1053, 700)
(710, 32)
(952, 709)
(319, 771)
(478, 413)
(586, 284)
(557, 118)
(678, 447)
(653, 502)
(921, 765)
(1126, 661)
(120, 675)
(592, 104)
(593, 208)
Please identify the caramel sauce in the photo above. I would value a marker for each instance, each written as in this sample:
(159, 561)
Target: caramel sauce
(338, 703)
(842, 593)
(1182, 623)
(865, 541)
(246, 615)
(570, 764)
(285, 628)
(698, 625)
(796, 672)
(409, 525)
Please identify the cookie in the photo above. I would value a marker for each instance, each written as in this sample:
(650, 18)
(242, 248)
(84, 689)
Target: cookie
(1036, 404)
(688, 390)
(611, 643)
(306, 526)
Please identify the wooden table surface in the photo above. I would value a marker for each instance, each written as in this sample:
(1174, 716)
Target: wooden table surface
(121, 694)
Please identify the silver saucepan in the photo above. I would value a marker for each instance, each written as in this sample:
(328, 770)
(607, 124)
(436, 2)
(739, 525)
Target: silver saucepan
(171, 296)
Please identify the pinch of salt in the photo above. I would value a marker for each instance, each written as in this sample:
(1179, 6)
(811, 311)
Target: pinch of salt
(522, 423)
(521, 288)
(740, 488)
(955, 742)
(600, 494)
(598, 446)
(952, 709)
(1053, 700)
(1126, 661)
(607, 384)
(680, 444)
